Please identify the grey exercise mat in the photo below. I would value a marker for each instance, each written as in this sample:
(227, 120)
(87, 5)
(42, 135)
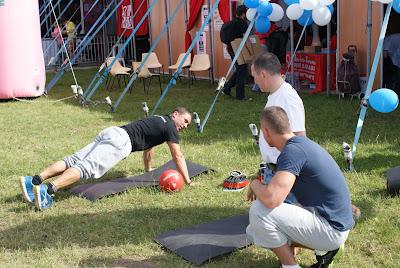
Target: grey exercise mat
(93, 191)
(393, 181)
(203, 242)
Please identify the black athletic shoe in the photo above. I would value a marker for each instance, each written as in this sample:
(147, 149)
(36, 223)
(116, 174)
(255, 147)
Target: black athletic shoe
(325, 260)
(226, 93)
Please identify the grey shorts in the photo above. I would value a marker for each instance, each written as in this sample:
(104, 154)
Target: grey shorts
(272, 228)
(110, 146)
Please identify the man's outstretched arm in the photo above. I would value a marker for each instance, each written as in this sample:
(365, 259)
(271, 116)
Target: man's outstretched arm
(179, 160)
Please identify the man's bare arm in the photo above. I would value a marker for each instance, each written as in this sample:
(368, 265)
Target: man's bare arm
(179, 160)
(273, 194)
(147, 158)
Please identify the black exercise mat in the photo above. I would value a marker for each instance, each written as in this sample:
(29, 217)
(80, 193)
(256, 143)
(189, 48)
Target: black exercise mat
(393, 181)
(203, 242)
(93, 191)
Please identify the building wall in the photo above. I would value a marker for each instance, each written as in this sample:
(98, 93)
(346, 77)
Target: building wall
(353, 31)
(177, 37)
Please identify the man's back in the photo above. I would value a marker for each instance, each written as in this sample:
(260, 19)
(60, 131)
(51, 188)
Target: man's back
(152, 131)
(319, 181)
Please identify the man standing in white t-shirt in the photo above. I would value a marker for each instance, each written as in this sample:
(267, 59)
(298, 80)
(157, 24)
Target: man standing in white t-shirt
(266, 70)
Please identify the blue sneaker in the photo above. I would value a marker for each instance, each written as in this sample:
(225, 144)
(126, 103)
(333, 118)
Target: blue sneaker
(42, 199)
(25, 182)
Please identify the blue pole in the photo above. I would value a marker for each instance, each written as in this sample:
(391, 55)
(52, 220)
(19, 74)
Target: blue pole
(44, 7)
(76, 29)
(48, 14)
(364, 104)
(97, 75)
(179, 70)
(242, 43)
(136, 73)
(60, 16)
(61, 72)
(122, 49)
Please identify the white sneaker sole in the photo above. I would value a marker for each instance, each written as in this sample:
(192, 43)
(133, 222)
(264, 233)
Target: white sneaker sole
(23, 189)
(38, 200)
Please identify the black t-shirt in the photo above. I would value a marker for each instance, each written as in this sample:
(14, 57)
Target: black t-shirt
(240, 27)
(151, 131)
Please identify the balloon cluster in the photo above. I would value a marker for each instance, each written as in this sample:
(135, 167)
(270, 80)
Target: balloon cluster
(308, 11)
(265, 11)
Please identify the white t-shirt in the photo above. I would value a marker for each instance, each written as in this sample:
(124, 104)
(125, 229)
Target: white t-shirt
(287, 98)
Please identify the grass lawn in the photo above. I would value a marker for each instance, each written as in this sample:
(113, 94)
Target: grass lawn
(119, 231)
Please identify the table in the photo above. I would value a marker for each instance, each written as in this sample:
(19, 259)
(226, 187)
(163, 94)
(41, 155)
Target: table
(312, 67)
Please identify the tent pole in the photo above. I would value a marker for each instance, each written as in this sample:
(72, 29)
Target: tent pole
(211, 33)
(328, 59)
(381, 66)
(338, 7)
(168, 32)
(369, 35)
(292, 52)
(150, 32)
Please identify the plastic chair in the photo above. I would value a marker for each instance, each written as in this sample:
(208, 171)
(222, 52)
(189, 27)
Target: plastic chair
(117, 71)
(144, 75)
(200, 63)
(115, 51)
(153, 62)
(185, 65)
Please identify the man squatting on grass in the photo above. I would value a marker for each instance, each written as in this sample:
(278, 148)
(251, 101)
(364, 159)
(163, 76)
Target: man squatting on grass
(111, 145)
(321, 220)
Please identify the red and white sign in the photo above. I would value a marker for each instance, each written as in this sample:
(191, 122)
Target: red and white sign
(125, 18)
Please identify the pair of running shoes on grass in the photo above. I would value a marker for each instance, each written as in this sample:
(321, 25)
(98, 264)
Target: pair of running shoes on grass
(37, 194)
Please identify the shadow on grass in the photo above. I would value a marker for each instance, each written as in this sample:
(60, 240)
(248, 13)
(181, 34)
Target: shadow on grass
(377, 161)
(119, 262)
(115, 228)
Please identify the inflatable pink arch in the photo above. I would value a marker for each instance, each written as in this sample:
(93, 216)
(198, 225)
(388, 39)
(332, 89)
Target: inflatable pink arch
(22, 72)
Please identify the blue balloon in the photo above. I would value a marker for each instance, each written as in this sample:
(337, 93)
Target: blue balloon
(289, 2)
(251, 3)
(396, 5)
(307, 15)
(262, 24)
(331, 8)
(384, 100)
(264, 9)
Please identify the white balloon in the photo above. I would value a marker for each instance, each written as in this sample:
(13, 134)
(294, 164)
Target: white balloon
(321, 16)
(251, 13)
(277, 12)
(294, 11)
(326, 2)
(386, 1)
(308, 4)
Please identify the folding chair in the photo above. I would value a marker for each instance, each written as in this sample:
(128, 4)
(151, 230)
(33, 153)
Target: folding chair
(200, 63)
(144, 75)
(153, 62)
(117, 71)
(185, 65)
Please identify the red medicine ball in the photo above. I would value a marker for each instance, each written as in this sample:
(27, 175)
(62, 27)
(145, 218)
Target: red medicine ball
(171, 181)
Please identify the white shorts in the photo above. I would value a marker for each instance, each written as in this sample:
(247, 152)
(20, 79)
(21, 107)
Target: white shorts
(273, 228)
(109, 147)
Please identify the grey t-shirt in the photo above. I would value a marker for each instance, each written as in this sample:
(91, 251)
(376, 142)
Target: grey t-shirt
(319, 181)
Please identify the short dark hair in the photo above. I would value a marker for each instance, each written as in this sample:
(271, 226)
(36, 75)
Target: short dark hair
(268, 62)
(276, 119)
(181, 110)
(240, 10)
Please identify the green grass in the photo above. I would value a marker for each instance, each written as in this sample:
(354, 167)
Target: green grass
(120, 230)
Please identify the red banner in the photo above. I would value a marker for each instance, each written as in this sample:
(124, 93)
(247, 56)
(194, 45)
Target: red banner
(312, 67)
(144, 28)
(124, 18)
